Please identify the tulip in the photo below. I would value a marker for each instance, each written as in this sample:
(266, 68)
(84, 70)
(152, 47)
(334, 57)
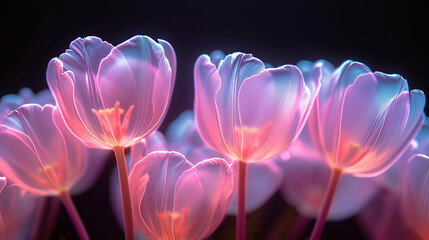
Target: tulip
(39, 154)
(112, 97)
(18, 211)
(174, 199)
(249, 113)
(25, 95)
(361, 122)
(415, 195)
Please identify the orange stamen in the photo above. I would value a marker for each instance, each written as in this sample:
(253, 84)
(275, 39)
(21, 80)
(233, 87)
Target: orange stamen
(110, 122)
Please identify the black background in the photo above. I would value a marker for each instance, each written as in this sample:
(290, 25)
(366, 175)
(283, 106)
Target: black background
(387, 37)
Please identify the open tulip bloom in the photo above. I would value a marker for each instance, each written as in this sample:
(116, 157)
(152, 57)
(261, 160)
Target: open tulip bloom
(39, 154)
(111, 97)
(248, 112)
(361, 121)
(174, 199)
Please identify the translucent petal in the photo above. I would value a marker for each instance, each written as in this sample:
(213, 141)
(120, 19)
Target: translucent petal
(206, 200)
(207, 83)
(136, 73)
(271, 106)
(153, 204)
(233, 71)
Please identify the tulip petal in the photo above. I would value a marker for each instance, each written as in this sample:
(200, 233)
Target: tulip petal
(83, 60)
(207, 83)
(19, 212)
(80, 124)
(155, 207)
(271, 108)
(415, 197)
(19, 162)
(233, 71)
(330, 100)
(360, 124)
(155, 142)
(389, 147)
(136, 74)
(206, 200)
(48, 143)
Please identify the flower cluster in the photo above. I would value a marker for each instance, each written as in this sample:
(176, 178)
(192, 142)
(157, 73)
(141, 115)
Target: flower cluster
(335, 142)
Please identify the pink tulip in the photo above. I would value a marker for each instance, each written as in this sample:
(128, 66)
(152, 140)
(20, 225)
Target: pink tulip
(25, 95)
(361, 122)
(174, 199)
(39, 154)
(246, 111)
(249, 113)
(112, 97)
(415, 196)
(18, 211)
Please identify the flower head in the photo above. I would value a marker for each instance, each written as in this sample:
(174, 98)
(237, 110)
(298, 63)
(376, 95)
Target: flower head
(362, 121)
(247, 111)
(174, 199)
(39, 154)
(113, 96)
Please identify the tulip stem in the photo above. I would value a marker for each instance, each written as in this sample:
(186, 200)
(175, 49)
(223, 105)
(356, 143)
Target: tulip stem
(125, 191)
(321, 220)
(241, 201)
(74, 215)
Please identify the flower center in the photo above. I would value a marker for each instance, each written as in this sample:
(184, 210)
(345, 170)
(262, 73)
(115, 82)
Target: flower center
(110, 121)
(48, 168)
(179, 221)
(252, 138)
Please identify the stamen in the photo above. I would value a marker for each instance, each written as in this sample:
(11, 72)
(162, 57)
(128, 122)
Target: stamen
(48, 167)
(252, 138)
(110, 122)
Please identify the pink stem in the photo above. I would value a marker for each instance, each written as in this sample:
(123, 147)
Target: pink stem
(241, 201)
(320, 223)
(125, 191)
(74, 215)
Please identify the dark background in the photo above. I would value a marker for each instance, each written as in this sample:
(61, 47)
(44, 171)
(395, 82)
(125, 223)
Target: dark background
(387, 37)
